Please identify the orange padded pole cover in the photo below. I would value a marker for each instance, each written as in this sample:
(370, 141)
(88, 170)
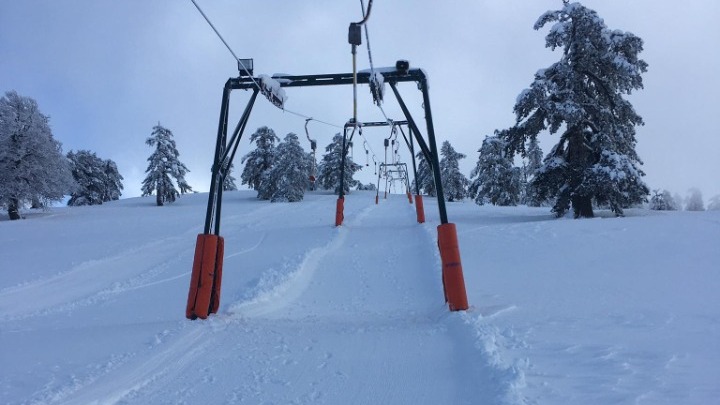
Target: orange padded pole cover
(420, 209)
(376, 200)
(409, 197)
(452, 274)
(215, 296)
(339, 208)
(203, 276)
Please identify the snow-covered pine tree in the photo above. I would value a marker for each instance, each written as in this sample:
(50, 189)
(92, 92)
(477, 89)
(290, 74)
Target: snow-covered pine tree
(229, 182)
(32, 165)
(88, 172)
(694, 201)
(113, 181)
(260, 160)
(366, 187)
(266, 189)
(662, 201)
(98, 180)
(523, 187)
(289, 173)
(714, 203)
(164, 163)
(425, 175)
(534, 163)
(454, 183)
(534, 156)
(672, 204)
(494, 179)
(679, 201)
(329, 168)
(582, 95)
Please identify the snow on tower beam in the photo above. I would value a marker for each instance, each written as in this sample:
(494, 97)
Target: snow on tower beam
(333, 79)
(377, 123)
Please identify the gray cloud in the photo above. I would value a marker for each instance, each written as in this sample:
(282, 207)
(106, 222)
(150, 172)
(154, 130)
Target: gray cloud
(107, 71)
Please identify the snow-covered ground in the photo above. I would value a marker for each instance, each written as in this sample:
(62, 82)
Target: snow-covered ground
(600, 311)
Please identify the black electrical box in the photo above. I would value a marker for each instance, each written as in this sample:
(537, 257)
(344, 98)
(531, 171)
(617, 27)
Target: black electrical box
(402, 66)
(355, 34)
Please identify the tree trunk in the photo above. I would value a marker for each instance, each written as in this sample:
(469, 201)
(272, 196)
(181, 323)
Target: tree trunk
(582, 207)
(13, 209)
(578, 157)
(158, 197)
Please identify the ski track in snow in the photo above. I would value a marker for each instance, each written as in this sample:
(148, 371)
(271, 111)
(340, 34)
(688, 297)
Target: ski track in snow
(290, 344)
(91, 285)
(287, 291)
(88, 282)
(248, 250)
(124, 376)
(291, 305)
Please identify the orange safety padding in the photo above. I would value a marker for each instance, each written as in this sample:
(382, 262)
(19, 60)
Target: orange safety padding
(201, 280)
(194, 278)
(409, 197)
(452, 274)
(217, 282)
(339, 208)
(376, 199)
(420, 209)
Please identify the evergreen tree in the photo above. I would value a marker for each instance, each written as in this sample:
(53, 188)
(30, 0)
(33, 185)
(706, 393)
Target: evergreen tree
(261, 159)
(454, 183)
(495, 180)
(714, 204)
(662, 201)
(425, 176)
(366, 187)
(97, 180)
(113, 182)
(523, 187)
(534, 163)
(534, 156)
(679, 201)
(229, 182)
(694, 201)
(164, 164)
(288, 176)
(582, 95)
(88, 171)
(329, 168)
(33, 168)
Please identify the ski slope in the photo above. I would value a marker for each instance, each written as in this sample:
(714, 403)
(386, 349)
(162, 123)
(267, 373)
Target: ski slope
(602, 311)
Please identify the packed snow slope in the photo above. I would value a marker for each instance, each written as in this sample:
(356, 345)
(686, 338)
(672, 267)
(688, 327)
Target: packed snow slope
(600, 311)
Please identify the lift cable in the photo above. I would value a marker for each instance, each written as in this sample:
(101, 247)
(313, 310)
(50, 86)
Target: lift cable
(216, 32)
(248, 72)
(311, 118)
(372, 67)
(367, 37)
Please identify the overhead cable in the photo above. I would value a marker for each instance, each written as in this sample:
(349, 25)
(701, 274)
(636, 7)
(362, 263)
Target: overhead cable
(246, 70)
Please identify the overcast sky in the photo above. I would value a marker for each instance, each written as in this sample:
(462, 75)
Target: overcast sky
(107, 71)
